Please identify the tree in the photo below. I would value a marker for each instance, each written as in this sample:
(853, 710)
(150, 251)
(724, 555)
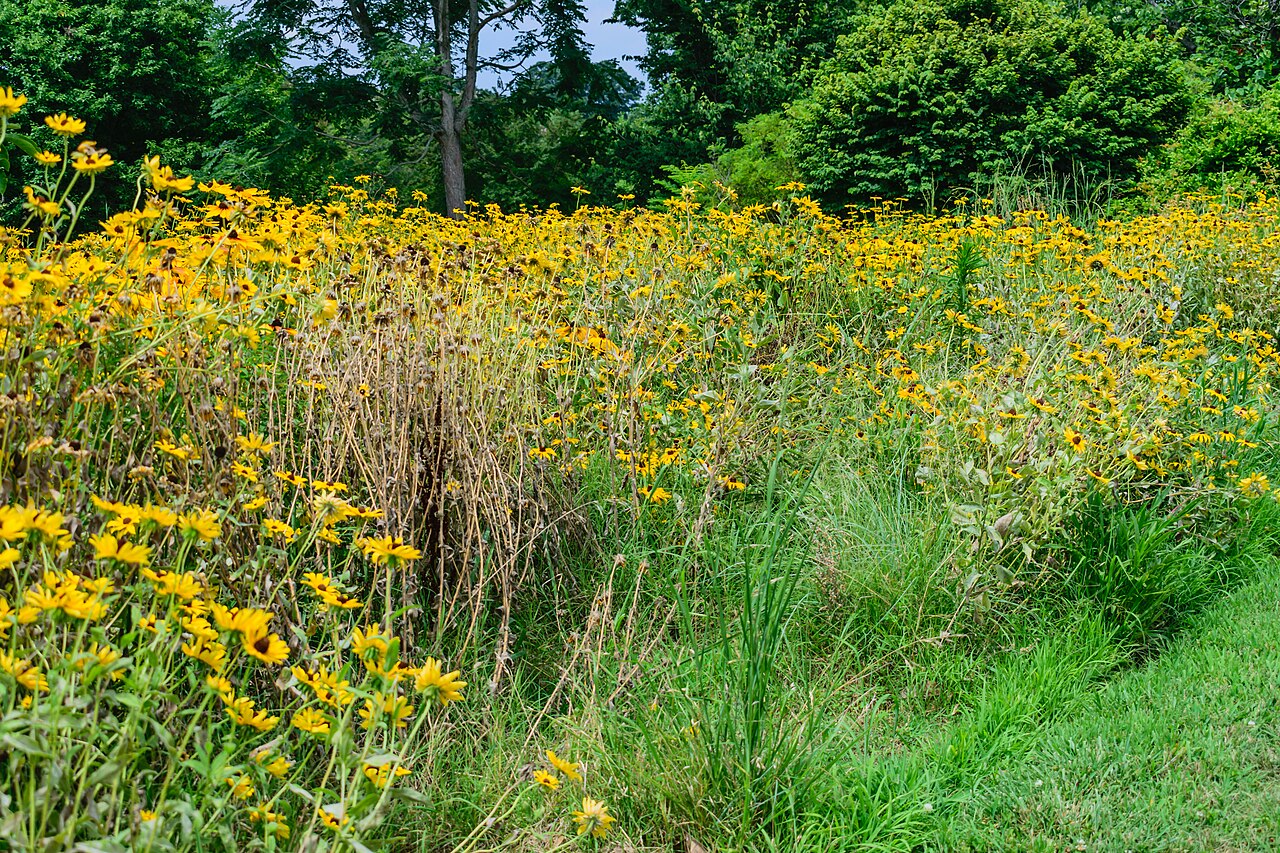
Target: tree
(135, 70)
(748, 56)
(423, 58)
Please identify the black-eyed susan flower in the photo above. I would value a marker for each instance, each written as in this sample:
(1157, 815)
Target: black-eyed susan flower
(88, 159)
(9, 102)
(593, 818)
(108, 547)
(437, 686)
(568, 768)
(268, 648)
(280, 529)
(381, 774)
(39, 204)
(312, 722)
(387, 549)
(241, 787)
(273, 822)
(242, 712)
(333, 817)
(200, 524)
(395, 709)
(1256, 485)
(64, 125)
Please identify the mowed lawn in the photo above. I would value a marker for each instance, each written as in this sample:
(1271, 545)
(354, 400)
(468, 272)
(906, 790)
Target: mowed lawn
(1181, 754)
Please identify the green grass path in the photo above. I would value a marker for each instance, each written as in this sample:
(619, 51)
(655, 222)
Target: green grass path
(1182, 754)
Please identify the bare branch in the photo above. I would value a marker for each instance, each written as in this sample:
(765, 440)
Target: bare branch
(501, 13)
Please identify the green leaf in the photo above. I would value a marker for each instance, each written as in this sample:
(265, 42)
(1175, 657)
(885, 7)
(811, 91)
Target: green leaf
(24, 143)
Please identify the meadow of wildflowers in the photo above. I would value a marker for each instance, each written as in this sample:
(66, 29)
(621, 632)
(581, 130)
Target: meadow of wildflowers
(329, 526)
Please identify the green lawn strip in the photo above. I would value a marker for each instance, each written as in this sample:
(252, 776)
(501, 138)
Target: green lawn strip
(1182, 754)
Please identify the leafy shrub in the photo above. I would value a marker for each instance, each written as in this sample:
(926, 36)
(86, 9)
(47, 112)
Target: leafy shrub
(968, 85)
(1227, 143)
(765, 161)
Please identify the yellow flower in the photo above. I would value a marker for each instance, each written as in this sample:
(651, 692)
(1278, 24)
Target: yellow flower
(13, 523)
(280, 529)
(396, 708)
(8, 557)
(162, 178)
(311, 721)
(221, 686)
(10, 103)
(328, 509)
(48, 525)
(1255, 485)
(184, 585)
(445, 688)
(39, 204)
(47, 158)
(268, 648)
(593, 818)
(273, 822)
(107, 547)
(569, 769)
(387, 549)
(24, 672)
(245, 620)
(200, 523)
(241, 787)
(102, 656)
(332, 817)
(1075, 440)
(657, 496)
(199, 627)
(327, 686)
(381, 774)
(209, 652)
(64, 125)
(255, 504)
(90, 160)
(244, 472)
(279, 766)
(546, 780)
(318, 582)
(292, 479)
(180, 452)
(369, 645)
(158, 515)
(241, 711)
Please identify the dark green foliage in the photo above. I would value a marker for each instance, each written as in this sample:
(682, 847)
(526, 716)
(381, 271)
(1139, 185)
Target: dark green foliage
(293, 130)
(746, 57)
(134, 70)
(923, 98)
(1234, 45)
(673, 125)
(526, 157)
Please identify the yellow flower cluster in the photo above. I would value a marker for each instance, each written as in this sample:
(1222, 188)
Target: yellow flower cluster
(223, 397)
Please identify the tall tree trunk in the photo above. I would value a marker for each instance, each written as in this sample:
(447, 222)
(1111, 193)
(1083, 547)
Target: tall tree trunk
(451, 169)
